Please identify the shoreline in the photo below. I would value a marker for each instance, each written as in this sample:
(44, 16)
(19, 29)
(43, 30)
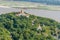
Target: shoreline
(4, 7)
(11, 4)
(34, 7)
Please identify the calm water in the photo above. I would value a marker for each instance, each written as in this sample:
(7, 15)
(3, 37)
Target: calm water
(43, 13)
(48, 2)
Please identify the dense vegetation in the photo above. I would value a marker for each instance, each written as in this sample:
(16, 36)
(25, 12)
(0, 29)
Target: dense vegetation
(14, 27)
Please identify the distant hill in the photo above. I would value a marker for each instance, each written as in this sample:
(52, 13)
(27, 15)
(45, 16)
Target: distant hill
(16, 26)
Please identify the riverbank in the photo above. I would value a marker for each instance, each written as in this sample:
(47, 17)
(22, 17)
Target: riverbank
(4, 7)
(22, 4)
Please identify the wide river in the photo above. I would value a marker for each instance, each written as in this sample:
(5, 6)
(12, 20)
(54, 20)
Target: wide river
(38, 12)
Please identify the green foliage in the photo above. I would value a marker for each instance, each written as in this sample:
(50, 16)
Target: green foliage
(14, 27)
(4, 34)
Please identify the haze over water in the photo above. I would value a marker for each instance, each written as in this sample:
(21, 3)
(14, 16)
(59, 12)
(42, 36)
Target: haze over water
(48, 2)
(43, 13)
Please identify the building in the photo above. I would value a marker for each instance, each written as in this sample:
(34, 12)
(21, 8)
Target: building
(39, 27)
(22, 13)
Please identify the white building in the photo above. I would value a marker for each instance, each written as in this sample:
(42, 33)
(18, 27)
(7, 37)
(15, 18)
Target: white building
(39, 27)
(22, 13)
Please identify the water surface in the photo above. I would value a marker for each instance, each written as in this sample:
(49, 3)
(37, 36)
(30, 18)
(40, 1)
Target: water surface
(43, 13)
(48, 2)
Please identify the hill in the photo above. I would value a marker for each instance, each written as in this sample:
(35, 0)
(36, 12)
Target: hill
(15, 26)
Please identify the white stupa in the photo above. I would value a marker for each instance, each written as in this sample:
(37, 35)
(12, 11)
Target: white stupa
(39, 27)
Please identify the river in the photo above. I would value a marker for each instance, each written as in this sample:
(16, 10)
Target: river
(38, 12)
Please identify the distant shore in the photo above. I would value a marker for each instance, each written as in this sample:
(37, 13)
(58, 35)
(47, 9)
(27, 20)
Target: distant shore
(30, 5)
(5, 7)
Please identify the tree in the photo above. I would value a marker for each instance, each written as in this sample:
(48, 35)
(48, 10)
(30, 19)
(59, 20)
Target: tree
(4, 34)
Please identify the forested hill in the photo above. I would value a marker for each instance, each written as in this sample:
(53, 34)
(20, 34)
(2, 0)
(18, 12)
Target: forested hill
(15, 26)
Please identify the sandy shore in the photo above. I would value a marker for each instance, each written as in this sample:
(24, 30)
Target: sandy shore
(5, 7)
